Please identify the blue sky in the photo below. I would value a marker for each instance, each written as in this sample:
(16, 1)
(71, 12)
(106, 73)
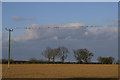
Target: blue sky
(60, 0)
(59, 13)
(100, 39)
(1, 30)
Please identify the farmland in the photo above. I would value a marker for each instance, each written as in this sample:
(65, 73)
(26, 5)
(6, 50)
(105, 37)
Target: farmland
(60, 71)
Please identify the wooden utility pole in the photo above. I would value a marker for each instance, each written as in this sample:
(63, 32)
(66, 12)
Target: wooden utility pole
(9, 40)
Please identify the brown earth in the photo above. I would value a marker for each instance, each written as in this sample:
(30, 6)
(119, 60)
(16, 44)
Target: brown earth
(60, 71)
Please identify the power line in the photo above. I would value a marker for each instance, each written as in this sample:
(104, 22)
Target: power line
(56, 27)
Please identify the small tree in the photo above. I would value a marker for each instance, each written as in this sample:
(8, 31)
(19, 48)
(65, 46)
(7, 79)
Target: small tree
(4, 61)
(47, 53)
(51, 53)
(118, 62)
(63, 52)
(55, 54)
(33, 59)
(106, 60)
(83, 55)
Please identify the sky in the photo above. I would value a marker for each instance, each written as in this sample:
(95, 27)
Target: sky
(0, 30)
(59, 0)
(100, 37)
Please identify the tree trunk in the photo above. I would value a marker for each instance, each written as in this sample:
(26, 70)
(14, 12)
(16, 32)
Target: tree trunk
(48, 59)
(80, 62)
(63, 59)
(53, 60)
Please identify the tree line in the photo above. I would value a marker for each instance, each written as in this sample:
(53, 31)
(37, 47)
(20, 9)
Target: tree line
(81, 55)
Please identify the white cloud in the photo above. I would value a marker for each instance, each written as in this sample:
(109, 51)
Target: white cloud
(74, 31)
(73, 25)
(110, 31)
(71, 38)
(86, 33)
(55, 38)
(28, 34)
(36, 31)
(18, 18)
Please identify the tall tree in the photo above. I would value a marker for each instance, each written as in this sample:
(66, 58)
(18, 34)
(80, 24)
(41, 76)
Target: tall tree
(83, 55)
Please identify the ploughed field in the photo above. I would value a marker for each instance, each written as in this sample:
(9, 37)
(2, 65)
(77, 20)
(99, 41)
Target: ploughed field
(60, 71)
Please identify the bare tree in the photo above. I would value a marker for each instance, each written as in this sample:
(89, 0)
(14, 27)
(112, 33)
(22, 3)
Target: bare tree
(48, 53)
(63, 53)
(83, 55)
(55, 54)
(51, 53)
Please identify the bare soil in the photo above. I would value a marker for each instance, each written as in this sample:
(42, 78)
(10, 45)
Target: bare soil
(60, 71)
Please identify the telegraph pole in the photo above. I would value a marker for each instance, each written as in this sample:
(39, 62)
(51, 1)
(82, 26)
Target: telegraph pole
(9, 40)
